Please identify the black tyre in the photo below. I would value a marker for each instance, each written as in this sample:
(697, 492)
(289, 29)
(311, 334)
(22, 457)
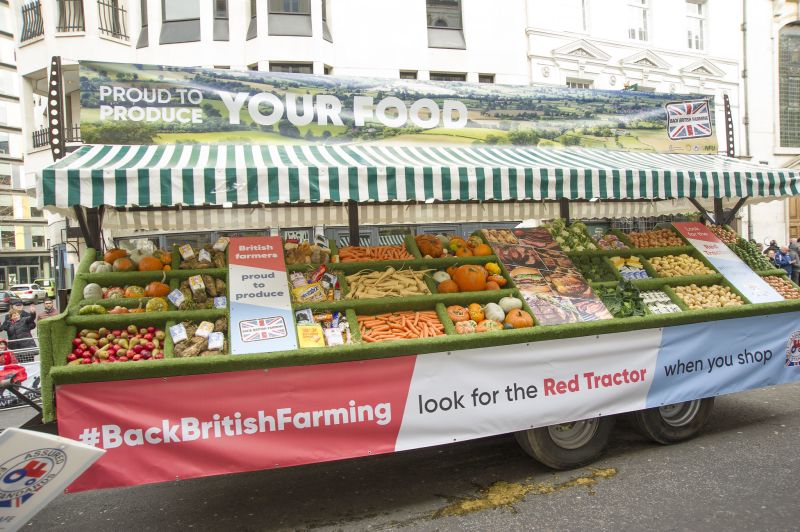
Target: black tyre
(673, 423)
(568, 445)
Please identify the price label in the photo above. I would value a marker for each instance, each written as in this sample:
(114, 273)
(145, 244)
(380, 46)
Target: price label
(204, 256)
(222, 243)
(204, 329)
(177, 298)
(178, 333)
(186, 251)
(196, 283)
(215, 341)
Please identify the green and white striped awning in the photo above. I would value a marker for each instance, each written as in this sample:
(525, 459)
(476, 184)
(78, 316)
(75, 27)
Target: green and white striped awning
(159, 175)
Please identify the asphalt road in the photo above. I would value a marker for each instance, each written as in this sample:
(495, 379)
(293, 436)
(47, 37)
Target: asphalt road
(742, 473)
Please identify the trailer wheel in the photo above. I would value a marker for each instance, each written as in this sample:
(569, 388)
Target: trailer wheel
(568, 445)
(673, 423)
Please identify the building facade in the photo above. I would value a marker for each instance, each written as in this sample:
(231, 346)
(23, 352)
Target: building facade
(680, 46)
(24, 252)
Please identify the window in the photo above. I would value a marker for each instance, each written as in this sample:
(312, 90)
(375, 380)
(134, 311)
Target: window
(408, 74)
(37, 237)
(252, 29)
(112, 18)
(485, 78)
(6, 206)
(5, 20)
(292, 68)
(181, 21)
(32, 23)
(696, 22)
(444, 24)
(5, 175)
(8, 237)
(143, 39)
(638, 15)
(448, 76)
(4, 143)
(3, 114)
(328, 70)
(70, 16)
(290, 17)
(36, 213)
(254, 66)
(789, 85)
(220, 20)
(326, 31)
(8, 83)
(574, 83)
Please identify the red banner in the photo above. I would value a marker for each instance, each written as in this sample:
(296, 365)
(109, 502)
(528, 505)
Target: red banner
(202, 425)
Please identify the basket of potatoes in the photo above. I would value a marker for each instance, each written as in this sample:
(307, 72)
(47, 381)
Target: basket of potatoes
(711, 296)
(679, 266)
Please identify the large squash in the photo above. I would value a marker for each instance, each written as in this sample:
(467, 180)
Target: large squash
(150, 264)
(99, 266)
(470, 278)
(519, 319)
(429, 245)
(114, 254)
(134, 291)
(156, 289)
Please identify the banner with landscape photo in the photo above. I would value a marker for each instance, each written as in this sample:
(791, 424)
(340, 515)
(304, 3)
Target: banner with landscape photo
(147, 104)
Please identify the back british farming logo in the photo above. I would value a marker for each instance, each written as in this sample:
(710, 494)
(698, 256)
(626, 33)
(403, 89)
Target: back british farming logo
(25, 474)
(793, 350)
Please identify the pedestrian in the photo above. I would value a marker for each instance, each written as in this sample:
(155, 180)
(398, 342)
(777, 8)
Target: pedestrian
(773, 245)
(792, 245)
(16, 304)
(49, 310)
(795, 264)
(18, 329)
(771, 256)
(784, 260)
(6, 356)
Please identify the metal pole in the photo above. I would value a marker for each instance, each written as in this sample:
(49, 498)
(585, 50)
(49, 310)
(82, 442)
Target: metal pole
(563, 209)
(352, 221)
(56, 121)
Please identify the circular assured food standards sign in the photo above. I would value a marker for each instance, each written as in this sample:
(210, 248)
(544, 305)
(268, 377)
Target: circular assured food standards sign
(793, 350)
(25, 474)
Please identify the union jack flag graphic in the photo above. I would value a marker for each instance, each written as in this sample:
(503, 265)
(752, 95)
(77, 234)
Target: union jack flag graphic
(16, 502)
(688, 120)
(262, 329)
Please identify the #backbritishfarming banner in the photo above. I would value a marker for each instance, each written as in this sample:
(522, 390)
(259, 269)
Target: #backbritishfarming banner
(200, 425)
(150, 104)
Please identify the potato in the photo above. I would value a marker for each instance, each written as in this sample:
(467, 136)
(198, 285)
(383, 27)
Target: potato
(680, 265)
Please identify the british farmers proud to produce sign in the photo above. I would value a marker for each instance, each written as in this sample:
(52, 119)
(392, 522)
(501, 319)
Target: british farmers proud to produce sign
(261, 309)
(739, 274)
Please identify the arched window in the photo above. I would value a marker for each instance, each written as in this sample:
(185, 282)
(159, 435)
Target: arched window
(789, 85)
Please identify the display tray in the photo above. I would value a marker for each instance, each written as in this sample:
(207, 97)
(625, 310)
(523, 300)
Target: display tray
(56, 334)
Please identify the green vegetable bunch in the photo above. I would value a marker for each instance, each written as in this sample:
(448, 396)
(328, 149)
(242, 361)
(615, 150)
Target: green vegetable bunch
(622, 301)
(748, 252)
(594, 269)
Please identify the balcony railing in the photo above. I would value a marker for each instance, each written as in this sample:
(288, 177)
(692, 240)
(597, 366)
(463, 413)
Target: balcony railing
(112, 17)
(70, 16)
(41, 137)
(32, 24)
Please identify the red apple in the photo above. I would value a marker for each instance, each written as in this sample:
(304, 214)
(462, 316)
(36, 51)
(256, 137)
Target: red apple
(76, 342)
(86, 361)
(83, 346)
(93, 349)
(123, 359)
(86, 354)
(138, 348)
(158, 356)
(149, 346)
(148, 337)
(72, 356)
(151, 329)
(137, 357)
(116, 332)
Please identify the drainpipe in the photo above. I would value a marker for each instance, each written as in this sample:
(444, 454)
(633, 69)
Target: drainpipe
(746, 107)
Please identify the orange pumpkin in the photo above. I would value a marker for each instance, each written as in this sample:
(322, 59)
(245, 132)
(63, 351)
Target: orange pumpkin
(457, 313)
(134, 291)
(457, 242)
(476, 312)
(150, 264)
(447, 287)
(499, 279)
(451, 271)
(470, 278)
(167, 267)
(114, 254)
(137, 310)
(482, 250)
(463, 252)
(466, 327)
(492, 285)
(429, 245)
(519, 319)
(164, 256)
(123, 264)
(156, 289)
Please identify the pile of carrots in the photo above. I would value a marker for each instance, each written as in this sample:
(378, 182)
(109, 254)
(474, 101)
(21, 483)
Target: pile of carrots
(364, 253)
(400, 325)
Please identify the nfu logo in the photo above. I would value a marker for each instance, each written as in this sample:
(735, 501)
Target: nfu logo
(27, 473)
(793, 350)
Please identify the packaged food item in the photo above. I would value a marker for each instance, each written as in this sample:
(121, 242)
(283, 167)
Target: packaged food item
(178, 333)
(310, 335)
(297, 279)
(204, 329)
(200, 341)
(309, 293)
(186, 251)
(304, 316)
